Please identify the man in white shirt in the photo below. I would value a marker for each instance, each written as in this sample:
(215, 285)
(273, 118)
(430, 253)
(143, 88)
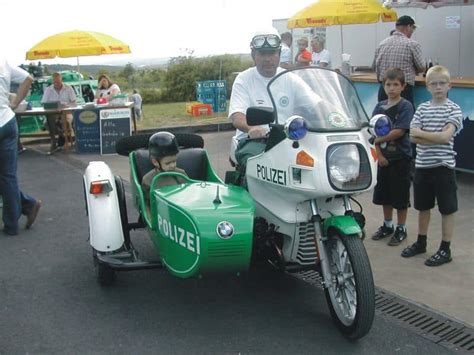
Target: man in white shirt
(250, 89)
(250, 86)
(321, 56)
(15, 202)
(64, 95)
(285, 57)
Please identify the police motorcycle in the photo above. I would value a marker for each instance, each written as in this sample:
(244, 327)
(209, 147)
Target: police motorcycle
(293, 210)
(316, 156)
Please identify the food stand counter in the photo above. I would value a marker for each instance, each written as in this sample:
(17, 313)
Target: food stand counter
(96, 127)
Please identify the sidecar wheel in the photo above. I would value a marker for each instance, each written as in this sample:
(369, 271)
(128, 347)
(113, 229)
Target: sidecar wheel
(105, 274)
(351, 297)
(123, 209)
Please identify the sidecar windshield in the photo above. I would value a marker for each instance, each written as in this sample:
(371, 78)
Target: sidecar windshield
(325, 99)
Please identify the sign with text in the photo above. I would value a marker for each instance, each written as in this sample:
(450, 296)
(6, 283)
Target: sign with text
(114, 124)
(87, 131)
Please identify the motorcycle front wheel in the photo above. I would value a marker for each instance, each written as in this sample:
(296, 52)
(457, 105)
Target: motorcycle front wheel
(351, 294)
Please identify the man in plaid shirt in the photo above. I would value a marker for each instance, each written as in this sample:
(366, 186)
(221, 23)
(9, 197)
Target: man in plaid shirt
(400, 51)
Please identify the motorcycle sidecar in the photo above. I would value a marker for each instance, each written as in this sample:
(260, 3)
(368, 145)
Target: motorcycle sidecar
(199, 227)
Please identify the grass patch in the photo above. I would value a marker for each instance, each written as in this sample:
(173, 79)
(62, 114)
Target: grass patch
(174, 114)
(161, 115)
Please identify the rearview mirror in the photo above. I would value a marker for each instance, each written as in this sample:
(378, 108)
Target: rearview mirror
(257, 116)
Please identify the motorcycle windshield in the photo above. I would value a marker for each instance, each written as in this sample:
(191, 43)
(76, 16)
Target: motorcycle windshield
(325, 99)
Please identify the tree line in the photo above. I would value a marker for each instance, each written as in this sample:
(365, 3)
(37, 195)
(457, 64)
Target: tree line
(177, 82)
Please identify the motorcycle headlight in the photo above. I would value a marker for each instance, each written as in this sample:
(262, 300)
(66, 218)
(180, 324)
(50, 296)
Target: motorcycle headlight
(348, 167)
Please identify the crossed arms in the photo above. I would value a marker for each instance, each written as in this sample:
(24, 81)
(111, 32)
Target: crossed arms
(418, 136)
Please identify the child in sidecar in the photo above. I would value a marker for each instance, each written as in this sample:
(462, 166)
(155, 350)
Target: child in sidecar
(192, 163)
(163, 148)
(198, 227)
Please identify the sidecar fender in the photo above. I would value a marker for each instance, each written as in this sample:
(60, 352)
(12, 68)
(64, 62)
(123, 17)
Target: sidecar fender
(343, 224)
(105, 225)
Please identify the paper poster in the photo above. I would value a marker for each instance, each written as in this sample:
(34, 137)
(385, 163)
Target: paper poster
(453, 22)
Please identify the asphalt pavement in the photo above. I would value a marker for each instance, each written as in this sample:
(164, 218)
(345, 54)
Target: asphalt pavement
(50, 301)
(448, 289)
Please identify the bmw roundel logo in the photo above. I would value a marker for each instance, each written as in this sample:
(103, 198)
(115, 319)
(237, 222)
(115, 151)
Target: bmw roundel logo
(225, 230)
(284, 101)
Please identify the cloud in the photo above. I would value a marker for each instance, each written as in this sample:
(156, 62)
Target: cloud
(151, 29)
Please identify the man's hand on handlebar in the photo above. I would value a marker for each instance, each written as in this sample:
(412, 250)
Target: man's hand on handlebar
(257, 132)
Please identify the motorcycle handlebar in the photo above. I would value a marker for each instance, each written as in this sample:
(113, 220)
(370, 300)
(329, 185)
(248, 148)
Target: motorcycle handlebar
(276, 125)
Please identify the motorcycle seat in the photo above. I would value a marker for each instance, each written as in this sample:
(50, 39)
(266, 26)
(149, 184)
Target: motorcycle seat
(193, 161)
(142, 163)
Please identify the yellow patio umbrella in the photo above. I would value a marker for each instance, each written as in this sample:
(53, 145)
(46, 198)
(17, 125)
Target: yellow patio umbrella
(76, 44)
(324, 13)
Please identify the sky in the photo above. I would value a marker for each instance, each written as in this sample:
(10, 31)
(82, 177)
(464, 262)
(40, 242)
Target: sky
(152, 28)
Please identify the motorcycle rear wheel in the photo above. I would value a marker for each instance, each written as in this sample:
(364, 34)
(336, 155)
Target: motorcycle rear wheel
(351, 294)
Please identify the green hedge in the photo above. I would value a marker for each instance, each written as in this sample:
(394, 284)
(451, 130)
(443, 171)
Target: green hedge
(151, 96)
(177, 82)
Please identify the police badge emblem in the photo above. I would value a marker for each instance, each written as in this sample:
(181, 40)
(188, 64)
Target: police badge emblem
(336, 119)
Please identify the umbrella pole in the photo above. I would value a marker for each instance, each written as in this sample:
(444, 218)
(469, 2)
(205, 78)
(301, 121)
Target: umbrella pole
(342, 41)
(78, 64)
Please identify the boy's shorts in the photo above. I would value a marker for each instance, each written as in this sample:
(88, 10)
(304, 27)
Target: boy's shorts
(393, 184)
(439, 183)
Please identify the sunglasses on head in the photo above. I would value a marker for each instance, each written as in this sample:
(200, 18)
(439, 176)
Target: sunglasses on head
(265, 41)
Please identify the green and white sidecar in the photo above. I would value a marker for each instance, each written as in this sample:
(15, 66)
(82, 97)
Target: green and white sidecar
(199, 227)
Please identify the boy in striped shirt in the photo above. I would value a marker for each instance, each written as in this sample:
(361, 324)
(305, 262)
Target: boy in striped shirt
(433, 128)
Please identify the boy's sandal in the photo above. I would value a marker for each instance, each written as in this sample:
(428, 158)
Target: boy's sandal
(413, 250)
(441, 257)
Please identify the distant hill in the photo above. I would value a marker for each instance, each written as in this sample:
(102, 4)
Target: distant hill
(93, 70)
(115, 66)
(143, 62)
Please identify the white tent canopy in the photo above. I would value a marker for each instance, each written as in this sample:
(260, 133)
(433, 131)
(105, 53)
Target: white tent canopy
(425, 3)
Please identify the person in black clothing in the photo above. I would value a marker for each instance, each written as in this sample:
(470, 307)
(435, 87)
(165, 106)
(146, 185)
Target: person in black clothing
(394, 159)
(87, 93)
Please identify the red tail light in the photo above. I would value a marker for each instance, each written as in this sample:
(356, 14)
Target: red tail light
(100, 187)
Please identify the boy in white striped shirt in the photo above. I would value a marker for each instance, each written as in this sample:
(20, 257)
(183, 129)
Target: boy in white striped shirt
(433, 128)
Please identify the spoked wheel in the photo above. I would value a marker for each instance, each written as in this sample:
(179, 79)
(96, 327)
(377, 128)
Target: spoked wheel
(105, 274)
(351, 293)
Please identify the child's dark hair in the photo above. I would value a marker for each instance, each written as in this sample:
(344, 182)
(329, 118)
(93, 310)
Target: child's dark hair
(394, 74)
